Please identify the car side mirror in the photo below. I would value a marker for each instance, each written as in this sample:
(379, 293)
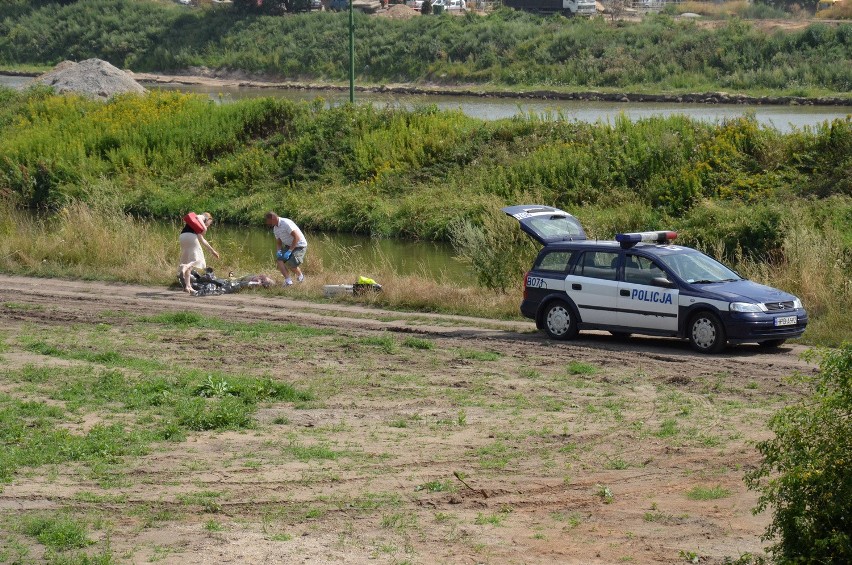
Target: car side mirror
(662, 282)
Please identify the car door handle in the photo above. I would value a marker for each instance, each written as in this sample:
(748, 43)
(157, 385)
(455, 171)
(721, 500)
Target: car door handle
(576, 286)
(624, 292)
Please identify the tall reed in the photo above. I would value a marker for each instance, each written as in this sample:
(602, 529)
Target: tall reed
(84, 241)
(101, 242)
(814, 266)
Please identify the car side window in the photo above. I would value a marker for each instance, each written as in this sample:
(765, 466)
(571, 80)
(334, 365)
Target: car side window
(598, 265)
(640, 270)
(556, 261)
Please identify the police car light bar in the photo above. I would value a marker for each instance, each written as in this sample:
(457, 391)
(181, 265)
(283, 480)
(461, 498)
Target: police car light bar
(630, 239)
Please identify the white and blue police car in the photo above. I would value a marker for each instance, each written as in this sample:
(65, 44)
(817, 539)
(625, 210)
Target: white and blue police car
(642, 284)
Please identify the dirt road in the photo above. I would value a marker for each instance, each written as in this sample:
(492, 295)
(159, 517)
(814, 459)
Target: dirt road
(430, 438)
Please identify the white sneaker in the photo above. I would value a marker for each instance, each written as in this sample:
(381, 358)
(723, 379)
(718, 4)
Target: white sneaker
(301, 278)
(288, 282)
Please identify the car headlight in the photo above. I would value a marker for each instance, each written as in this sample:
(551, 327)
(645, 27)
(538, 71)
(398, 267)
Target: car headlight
(746, 307)
(797, 304)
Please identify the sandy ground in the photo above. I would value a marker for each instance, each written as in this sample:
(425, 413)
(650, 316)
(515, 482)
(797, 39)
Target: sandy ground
(493, 446)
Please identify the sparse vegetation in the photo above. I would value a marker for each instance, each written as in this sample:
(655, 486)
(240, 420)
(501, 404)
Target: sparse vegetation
(402, 455)
(708, 493)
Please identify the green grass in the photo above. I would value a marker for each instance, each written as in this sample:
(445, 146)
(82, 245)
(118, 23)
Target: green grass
(17, 306)
(109, 358)
(708, 493)
(490, 519)
(668, 428)
(418, 343)
(31, 435)
(163, 402)
(58, 532)
(581, 368)
(475, 355)
(244, 330)
(496, 455)
(386, 343)
(307, 453)
(437, 486)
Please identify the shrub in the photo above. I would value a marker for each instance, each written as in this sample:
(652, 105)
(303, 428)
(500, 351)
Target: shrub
(497, 250)
(805, 475)
(731, 229)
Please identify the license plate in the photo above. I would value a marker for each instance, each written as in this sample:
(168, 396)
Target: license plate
(785, 321)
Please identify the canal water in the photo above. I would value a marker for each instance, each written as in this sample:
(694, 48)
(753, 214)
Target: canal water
(363, 255)
(782, 118)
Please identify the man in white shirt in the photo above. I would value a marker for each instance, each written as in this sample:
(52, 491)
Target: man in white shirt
(291, 246)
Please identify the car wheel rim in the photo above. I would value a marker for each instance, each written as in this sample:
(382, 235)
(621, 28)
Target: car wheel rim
(558, 320)
(703, 333)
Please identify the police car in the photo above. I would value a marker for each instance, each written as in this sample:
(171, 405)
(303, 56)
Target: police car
(641, 283)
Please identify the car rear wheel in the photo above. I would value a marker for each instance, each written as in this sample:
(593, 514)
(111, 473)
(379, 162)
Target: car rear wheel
(559, 321)
(706, 333)
(772, 343)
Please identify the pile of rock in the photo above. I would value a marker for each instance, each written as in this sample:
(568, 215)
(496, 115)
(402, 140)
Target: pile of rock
(93, 78)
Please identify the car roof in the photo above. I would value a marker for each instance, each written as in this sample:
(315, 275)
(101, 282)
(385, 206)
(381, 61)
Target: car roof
(607, 245)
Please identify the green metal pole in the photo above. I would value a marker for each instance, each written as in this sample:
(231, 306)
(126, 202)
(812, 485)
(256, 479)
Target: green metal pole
(351, 54)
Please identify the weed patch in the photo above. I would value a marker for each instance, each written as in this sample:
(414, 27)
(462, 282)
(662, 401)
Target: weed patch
(708, 493)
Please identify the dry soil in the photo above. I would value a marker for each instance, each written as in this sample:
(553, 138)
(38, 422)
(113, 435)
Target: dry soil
(440, 439)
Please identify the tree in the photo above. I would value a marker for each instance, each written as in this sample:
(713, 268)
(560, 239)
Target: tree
(616, 9)
(806, 472)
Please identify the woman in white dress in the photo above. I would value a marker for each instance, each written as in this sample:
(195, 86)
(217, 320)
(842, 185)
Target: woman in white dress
(191, 253)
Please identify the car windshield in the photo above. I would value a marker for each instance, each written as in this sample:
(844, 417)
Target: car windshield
(696, 268)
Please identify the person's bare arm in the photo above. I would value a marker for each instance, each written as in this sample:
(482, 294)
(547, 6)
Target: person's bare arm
(208, 246)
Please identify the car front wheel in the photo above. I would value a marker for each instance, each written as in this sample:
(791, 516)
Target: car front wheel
(559, 321)
(706, 333)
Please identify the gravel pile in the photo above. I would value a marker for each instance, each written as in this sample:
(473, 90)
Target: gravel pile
(93, 78)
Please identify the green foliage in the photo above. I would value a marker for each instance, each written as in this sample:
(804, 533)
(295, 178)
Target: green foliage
(504, 47)
(731, 228)
(805, 476)
(497, 251)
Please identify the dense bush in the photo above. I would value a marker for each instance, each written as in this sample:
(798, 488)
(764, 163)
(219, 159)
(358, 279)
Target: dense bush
(413, 173)
(502, 48)
(805, 478)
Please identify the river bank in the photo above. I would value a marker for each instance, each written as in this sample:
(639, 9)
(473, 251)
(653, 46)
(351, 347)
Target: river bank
(240, 79)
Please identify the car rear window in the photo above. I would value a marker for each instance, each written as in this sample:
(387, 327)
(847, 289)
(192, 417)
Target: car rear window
(556, 227)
